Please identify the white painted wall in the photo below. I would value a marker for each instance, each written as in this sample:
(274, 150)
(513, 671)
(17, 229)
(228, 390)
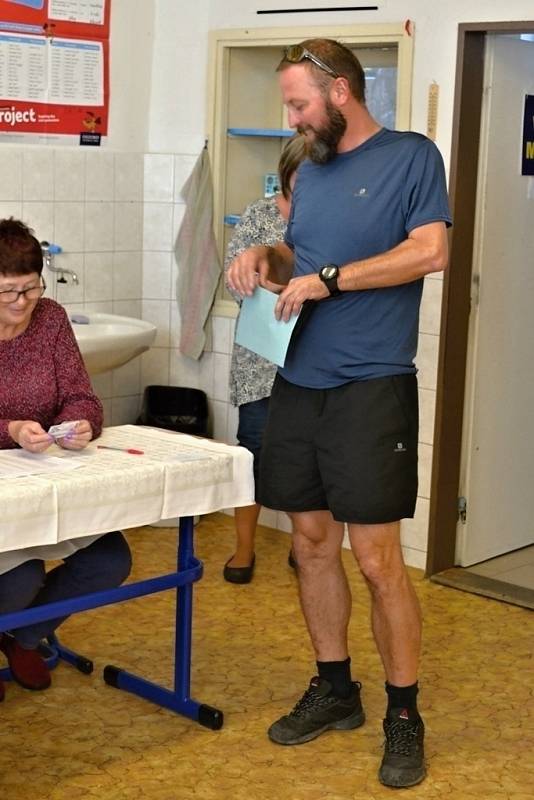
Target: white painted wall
(132, 35)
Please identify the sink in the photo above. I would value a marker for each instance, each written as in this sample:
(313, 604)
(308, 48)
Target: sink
(108, 341)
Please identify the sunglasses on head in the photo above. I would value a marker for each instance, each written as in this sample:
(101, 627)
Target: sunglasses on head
(297, 53)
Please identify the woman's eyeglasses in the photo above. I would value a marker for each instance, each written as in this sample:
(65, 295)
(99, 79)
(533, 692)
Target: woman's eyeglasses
(31, 293)
(297, 53)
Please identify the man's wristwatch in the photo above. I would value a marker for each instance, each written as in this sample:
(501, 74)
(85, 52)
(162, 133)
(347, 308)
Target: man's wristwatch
(328, 273)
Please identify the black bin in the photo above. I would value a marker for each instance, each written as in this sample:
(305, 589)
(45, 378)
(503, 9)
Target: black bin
(176, 408)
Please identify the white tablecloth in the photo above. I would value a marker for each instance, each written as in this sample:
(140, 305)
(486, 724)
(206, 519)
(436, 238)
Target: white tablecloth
(176, 476)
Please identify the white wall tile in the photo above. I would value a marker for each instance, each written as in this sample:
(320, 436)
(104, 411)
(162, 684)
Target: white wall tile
(430, 314)
(99, 226)
(125, 410)
(427, 407)
(127, 308)
(41, 218)
(157, 268)
(219, 413)
(69, 219)
(268, 517)
(222, 342)
(102, 385)
(11, 208)
(158, 177)
(283, 522)
(99, 306)
(414, 558)
(155, 367)
(175, 329)
(427, 360)
(37, 175)
(107, 411)
(414, 532)
(221, 371)
(128, 226)
(425, 469)
(233, 421)
(99, 179)
(157, 226)
(127, 276)
(177, 217)
(69, 175)
(206, 374)
(98, 277)
(158, 312)
(10, 176)
(127, 379)
(128, 177)
(184, 371)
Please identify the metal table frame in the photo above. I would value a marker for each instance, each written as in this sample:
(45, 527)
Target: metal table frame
(189, 570)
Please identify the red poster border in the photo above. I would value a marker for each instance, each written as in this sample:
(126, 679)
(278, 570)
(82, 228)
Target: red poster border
(21, 16)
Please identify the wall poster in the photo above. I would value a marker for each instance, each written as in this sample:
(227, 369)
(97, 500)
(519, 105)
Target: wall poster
(54, 70)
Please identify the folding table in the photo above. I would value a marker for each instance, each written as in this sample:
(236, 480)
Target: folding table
(176, 476)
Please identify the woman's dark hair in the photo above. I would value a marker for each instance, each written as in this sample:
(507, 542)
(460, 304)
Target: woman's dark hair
(20, 252)
(293, 153)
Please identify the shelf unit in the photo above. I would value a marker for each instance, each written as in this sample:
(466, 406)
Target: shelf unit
(247, 123)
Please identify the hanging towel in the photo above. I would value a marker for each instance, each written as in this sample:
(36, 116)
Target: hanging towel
(199, 267)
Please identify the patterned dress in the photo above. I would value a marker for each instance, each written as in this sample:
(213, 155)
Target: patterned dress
(251, 376)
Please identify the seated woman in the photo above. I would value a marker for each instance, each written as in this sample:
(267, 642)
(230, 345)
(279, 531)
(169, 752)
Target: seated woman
(44, 382)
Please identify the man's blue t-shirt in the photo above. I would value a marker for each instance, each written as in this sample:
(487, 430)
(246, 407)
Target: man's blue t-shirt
(360, 204)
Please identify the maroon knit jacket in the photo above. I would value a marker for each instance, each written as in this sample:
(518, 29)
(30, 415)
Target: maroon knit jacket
(43, 377)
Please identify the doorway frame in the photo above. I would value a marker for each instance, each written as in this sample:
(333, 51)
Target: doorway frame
(455, 308)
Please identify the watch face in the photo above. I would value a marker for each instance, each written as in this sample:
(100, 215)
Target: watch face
(328, 272)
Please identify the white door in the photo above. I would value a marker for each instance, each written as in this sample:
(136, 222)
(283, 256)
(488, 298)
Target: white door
(498, 442)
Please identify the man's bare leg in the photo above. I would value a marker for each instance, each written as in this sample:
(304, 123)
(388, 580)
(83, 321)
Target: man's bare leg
(324, 591)
(395, 611)
(332, 701)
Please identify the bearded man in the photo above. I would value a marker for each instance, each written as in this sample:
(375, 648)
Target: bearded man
(368, 222)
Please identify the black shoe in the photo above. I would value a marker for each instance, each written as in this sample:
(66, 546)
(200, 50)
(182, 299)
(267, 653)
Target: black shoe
(239, 574)
(403, 763)
(317, 711)
(291, 560)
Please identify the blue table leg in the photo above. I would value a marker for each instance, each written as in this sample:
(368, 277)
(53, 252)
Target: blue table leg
(178, 700)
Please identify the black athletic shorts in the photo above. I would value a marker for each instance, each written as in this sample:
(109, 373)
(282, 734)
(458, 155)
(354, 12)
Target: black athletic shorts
(351, 449)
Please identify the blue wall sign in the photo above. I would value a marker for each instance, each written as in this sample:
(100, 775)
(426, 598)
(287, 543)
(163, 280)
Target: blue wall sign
(527, 158)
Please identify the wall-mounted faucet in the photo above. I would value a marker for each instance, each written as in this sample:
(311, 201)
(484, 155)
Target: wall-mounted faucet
(51, 250)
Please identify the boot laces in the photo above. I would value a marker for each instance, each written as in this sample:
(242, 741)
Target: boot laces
(311, 701)
(401, 737)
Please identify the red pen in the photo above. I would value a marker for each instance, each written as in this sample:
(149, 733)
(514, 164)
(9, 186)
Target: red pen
(131, 450)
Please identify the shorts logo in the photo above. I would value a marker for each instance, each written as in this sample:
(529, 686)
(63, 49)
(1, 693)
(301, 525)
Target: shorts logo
(400, 447)
(362, 192)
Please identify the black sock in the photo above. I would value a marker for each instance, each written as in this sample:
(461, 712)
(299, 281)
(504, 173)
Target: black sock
(337, 673)
(402, 700)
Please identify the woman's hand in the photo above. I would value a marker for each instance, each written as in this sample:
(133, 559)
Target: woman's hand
(78, 438)
(29, 435)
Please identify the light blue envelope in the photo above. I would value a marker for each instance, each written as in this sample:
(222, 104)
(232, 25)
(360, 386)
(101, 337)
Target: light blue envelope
(259, 330)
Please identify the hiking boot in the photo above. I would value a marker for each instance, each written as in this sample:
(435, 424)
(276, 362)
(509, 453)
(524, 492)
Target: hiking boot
(318, 711)
(403, 763)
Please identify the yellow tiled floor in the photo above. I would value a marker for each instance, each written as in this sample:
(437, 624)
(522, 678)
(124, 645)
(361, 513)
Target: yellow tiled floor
(83, 739)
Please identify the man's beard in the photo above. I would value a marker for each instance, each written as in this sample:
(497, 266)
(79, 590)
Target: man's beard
(323, 147)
